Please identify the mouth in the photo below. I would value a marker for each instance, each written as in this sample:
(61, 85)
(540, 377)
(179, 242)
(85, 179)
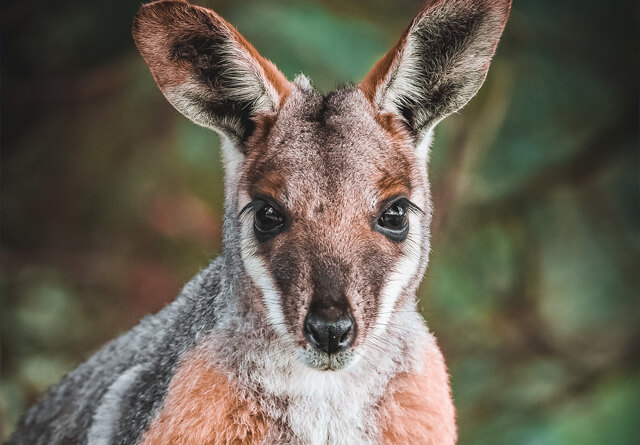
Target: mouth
(322, 361)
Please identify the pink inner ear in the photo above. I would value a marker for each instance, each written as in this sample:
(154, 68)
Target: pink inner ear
(419, 409)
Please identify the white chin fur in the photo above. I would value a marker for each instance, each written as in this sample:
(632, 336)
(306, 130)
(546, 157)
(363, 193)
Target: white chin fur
(325, 362)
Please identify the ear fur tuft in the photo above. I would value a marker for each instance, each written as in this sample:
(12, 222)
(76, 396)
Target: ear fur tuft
(439, 63)
(205, 68)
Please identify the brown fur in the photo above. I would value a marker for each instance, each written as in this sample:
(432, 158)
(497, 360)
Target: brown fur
(269, 185)
(452, 45)
(204, 406)
(392, 186)
(418, 408)
(150, 34)
(236, 358)
(369, 85)
(272, 73)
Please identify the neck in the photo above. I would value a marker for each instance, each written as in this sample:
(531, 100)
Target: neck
(240, 359)
(308, 403)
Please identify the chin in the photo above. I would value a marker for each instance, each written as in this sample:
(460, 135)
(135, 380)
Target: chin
(321, 361)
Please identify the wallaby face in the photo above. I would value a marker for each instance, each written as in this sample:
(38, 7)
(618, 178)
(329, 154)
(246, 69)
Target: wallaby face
(327, 196)
(334, 222)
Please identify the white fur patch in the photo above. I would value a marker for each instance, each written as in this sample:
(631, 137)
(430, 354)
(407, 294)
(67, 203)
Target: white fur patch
(330, 407)
(401, 78)
(186, 98)
(303, 82)
(261, 278)
(108, 412)
(404, 271)
(424, 146)
(246, 81)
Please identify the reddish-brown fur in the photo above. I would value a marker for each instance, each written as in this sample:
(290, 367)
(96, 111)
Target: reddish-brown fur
(204, 406)
(418, 408)
(272, 73)
(369, 84)
(269, 185)
(155, 18)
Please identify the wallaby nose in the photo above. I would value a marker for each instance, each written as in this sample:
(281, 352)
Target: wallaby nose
(329, 330)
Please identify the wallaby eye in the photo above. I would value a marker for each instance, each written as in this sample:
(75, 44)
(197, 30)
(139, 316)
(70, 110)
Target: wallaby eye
(393, 223)
(394, 218)
(267, 221)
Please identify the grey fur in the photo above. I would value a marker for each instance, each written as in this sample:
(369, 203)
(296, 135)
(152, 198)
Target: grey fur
(443, 61)
(219, 301)
(65, 414)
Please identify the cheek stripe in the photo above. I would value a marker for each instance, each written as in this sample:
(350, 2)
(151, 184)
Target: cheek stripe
(404, 271)
(260, 276)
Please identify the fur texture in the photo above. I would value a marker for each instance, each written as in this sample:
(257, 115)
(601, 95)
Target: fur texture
(205, 68)
(440, 62)
(229, 361)
(204, 406)
(418, 407)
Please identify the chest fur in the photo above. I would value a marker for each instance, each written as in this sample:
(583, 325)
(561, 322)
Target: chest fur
(205, 406)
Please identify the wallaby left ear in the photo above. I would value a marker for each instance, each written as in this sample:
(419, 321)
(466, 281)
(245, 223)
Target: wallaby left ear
(206, 69)
(439, 63)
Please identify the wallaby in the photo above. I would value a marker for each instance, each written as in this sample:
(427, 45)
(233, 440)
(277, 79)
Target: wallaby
(305, 330)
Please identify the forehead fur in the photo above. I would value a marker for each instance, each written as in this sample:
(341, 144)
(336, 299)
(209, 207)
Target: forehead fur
(329, 143)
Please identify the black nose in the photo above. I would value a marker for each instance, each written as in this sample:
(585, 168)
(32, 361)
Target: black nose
(329, 330)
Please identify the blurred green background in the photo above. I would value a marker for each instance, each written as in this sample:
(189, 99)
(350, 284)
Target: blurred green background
(111, 201)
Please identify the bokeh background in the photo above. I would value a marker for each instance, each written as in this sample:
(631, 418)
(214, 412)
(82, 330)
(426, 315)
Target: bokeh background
(111, 201)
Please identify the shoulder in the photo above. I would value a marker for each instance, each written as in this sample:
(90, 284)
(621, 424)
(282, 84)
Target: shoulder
(418, 407)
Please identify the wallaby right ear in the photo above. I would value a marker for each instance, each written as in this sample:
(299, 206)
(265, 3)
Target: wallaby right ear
(439, 63)
(206, 69)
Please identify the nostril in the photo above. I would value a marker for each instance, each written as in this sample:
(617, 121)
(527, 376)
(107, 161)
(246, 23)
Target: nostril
(329, 334)
(343, 329)
(345, 337)
(310, 333)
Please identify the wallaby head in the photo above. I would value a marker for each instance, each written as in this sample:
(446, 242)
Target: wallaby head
(327, 196)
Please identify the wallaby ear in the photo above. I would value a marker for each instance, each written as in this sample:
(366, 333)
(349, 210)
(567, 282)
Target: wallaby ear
(439, 63)
(206, 69)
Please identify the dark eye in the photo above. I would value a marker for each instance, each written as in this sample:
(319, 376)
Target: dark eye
(267, 221)
(393, 223)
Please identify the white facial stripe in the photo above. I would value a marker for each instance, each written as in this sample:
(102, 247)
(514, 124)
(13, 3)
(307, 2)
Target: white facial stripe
(404, 271)
(261, 278)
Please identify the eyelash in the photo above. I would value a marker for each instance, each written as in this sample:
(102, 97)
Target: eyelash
(396, 235)
(395, 224)
(260, 228)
